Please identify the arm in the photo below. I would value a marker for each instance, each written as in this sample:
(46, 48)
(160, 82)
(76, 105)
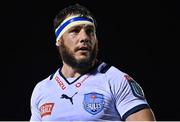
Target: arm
(35, 113)
(142, 115)
(130, 99)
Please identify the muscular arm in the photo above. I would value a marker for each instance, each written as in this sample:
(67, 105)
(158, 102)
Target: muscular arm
(142, 115)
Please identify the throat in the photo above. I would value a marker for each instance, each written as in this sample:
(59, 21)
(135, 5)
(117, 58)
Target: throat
(70, 72)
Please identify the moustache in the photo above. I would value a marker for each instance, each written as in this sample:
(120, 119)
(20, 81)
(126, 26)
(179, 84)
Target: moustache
(84, 47)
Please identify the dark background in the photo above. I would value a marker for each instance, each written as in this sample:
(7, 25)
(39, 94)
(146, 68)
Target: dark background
(138, 37)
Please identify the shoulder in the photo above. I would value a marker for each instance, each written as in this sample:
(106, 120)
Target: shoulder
(46, 82)
(41, 87)
(106, 68)
(120, 80)
(112, 74)
(111, 71)
(42, 84)
(116, 78)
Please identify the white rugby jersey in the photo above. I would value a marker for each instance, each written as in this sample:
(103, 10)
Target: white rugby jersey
(105, 93)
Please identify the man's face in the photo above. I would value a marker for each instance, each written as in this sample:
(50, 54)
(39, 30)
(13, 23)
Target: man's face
(78, 46)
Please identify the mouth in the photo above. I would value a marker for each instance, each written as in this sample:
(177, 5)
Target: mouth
(84, 49)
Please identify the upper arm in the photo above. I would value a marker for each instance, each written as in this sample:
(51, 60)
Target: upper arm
(35, 113)
(142, 115)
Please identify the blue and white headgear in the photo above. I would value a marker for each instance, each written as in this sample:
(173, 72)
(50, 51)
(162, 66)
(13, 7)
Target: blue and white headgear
(70, 22)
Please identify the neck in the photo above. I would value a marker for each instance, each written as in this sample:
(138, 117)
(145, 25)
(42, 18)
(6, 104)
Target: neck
(69, 71)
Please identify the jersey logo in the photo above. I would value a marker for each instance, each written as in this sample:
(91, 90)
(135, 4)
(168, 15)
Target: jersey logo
(93, 102)
(67, 97)
(136, 88)
(61, 84)
(46, 109)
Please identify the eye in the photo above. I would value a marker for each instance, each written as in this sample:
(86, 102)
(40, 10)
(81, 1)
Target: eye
(75, 30)
(90, 31)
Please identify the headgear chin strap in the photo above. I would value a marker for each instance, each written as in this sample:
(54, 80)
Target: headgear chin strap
(70, 22)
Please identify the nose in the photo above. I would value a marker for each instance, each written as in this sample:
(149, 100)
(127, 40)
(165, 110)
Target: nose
(84, 37)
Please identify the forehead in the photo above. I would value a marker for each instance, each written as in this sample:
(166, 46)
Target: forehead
(82, 26)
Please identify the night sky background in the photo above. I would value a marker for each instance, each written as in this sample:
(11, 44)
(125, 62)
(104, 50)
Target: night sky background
(138, 37)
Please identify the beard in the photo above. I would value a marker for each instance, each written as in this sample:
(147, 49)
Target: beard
(85, 63)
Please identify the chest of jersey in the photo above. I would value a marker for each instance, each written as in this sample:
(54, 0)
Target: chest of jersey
(89, 98)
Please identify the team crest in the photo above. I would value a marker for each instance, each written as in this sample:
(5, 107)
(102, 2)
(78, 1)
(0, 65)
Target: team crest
(93, 102)
(136, 88)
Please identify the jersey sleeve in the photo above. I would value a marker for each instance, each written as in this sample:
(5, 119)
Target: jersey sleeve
(35, 113)
(128, 94)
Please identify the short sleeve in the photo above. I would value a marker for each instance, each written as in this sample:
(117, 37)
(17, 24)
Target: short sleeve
(130, 98)
(35, 113)
(127, 93)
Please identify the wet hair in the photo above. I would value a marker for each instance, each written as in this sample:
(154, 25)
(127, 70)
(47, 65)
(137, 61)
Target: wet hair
(72, 10)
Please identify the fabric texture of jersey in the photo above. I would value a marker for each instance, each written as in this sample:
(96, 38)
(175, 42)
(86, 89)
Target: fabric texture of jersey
(106, 93)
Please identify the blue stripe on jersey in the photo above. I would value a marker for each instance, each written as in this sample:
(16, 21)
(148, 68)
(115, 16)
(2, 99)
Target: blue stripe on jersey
(61, 74)
(105, 68)
(70, 21)
(52, 76)
(133, 110)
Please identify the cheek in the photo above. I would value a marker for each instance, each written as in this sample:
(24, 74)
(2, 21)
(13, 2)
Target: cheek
(70, 47)
(94, 43)
(69, 43)
(67, 46)
(69, 39)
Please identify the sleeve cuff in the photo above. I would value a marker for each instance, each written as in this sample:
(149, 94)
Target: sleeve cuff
(133, 110)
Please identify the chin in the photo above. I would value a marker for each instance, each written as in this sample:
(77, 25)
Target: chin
(83, 58)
